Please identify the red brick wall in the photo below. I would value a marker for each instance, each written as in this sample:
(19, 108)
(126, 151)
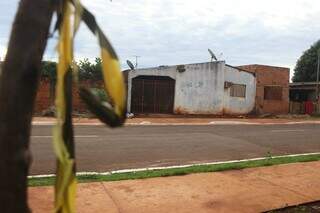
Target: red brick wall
(78, 104)
(43, 96)
(270, 76)
(44, 99)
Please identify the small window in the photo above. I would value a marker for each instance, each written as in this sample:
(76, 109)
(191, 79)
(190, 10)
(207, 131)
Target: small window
(238, 90)
(272, 93)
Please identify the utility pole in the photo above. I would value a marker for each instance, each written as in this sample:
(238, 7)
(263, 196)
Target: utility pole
(317, 82)
(136, 56)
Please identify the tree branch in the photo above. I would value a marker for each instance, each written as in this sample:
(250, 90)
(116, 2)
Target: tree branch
(18, 85)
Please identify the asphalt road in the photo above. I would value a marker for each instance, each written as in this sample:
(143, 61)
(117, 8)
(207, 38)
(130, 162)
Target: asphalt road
(102, 149)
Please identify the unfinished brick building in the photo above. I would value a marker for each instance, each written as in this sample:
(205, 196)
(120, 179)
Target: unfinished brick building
(272, 84)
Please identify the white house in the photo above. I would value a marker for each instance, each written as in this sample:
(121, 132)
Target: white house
(202, 88)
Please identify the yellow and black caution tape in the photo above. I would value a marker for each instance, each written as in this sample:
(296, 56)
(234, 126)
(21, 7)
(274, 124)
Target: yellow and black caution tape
(113, 78)
(112, 113)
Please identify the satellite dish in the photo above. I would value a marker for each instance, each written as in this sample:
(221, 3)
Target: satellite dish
(130, 65)
(212, 55)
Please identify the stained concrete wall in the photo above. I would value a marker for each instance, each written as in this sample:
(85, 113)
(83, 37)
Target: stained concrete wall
(200, 88)
(239, 105)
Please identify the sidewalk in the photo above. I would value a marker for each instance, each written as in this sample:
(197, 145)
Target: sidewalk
(185, 121)
(248, 190)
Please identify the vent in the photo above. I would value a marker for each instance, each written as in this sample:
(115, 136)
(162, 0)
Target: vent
(181, 68)
(227, 84)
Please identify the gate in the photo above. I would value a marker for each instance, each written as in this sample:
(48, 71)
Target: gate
(152, 94)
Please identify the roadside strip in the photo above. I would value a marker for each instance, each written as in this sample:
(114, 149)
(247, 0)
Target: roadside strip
(147, 123)
(288, 130)
(126, 174)
(76, 136)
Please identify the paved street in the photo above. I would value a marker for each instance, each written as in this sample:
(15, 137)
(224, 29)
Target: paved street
(102, 149)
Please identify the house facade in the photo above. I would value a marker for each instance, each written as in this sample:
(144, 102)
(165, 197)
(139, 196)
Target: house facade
(272, 95)
(200, 88)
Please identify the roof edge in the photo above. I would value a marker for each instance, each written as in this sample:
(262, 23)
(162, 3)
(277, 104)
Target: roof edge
(241, 70)
(263, 66)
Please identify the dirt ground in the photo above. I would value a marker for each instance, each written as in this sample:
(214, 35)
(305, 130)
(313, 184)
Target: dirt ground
(241, 191)
(313, 207)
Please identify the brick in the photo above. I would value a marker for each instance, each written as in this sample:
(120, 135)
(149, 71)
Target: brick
(270, 76)
(43, 99)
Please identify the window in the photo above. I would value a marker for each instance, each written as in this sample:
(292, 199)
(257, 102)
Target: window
(238, 90)
(272, 93)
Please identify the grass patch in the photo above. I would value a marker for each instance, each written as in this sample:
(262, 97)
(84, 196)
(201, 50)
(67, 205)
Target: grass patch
(270, 161)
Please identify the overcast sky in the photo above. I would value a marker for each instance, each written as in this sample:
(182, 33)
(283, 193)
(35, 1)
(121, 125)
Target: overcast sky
(167, 32)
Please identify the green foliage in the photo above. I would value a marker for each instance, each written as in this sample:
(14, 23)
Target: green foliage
(87, 70)
(90, 71)
(49, 69)
(306, 67)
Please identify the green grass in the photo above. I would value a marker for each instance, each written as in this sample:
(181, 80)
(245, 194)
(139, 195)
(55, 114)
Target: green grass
(270, 161)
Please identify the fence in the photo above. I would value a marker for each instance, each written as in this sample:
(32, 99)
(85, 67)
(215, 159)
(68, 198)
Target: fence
(306, 107)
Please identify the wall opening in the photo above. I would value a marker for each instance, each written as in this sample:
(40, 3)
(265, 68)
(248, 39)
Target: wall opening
(238, 90)
(272, 93)
(152, 94)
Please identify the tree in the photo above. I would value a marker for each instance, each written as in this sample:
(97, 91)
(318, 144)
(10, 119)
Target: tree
(306, 67)
(93, 71)
(90, 71)
(49, 69)
(18, 84)
(86, 69)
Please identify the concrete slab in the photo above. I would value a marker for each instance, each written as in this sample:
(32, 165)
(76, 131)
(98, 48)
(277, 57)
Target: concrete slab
(212, 192)
(304, 180)
(91, 198)
(94, 198)
(249, 190)
(41, 199)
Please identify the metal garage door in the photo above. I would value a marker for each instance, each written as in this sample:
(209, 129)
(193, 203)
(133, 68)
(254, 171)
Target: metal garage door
(152, 94)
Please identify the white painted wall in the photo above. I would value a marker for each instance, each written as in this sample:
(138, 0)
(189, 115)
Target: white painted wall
(200, 89)
(238, 105)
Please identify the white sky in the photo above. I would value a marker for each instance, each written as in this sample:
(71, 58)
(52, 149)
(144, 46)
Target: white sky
(165, 32)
